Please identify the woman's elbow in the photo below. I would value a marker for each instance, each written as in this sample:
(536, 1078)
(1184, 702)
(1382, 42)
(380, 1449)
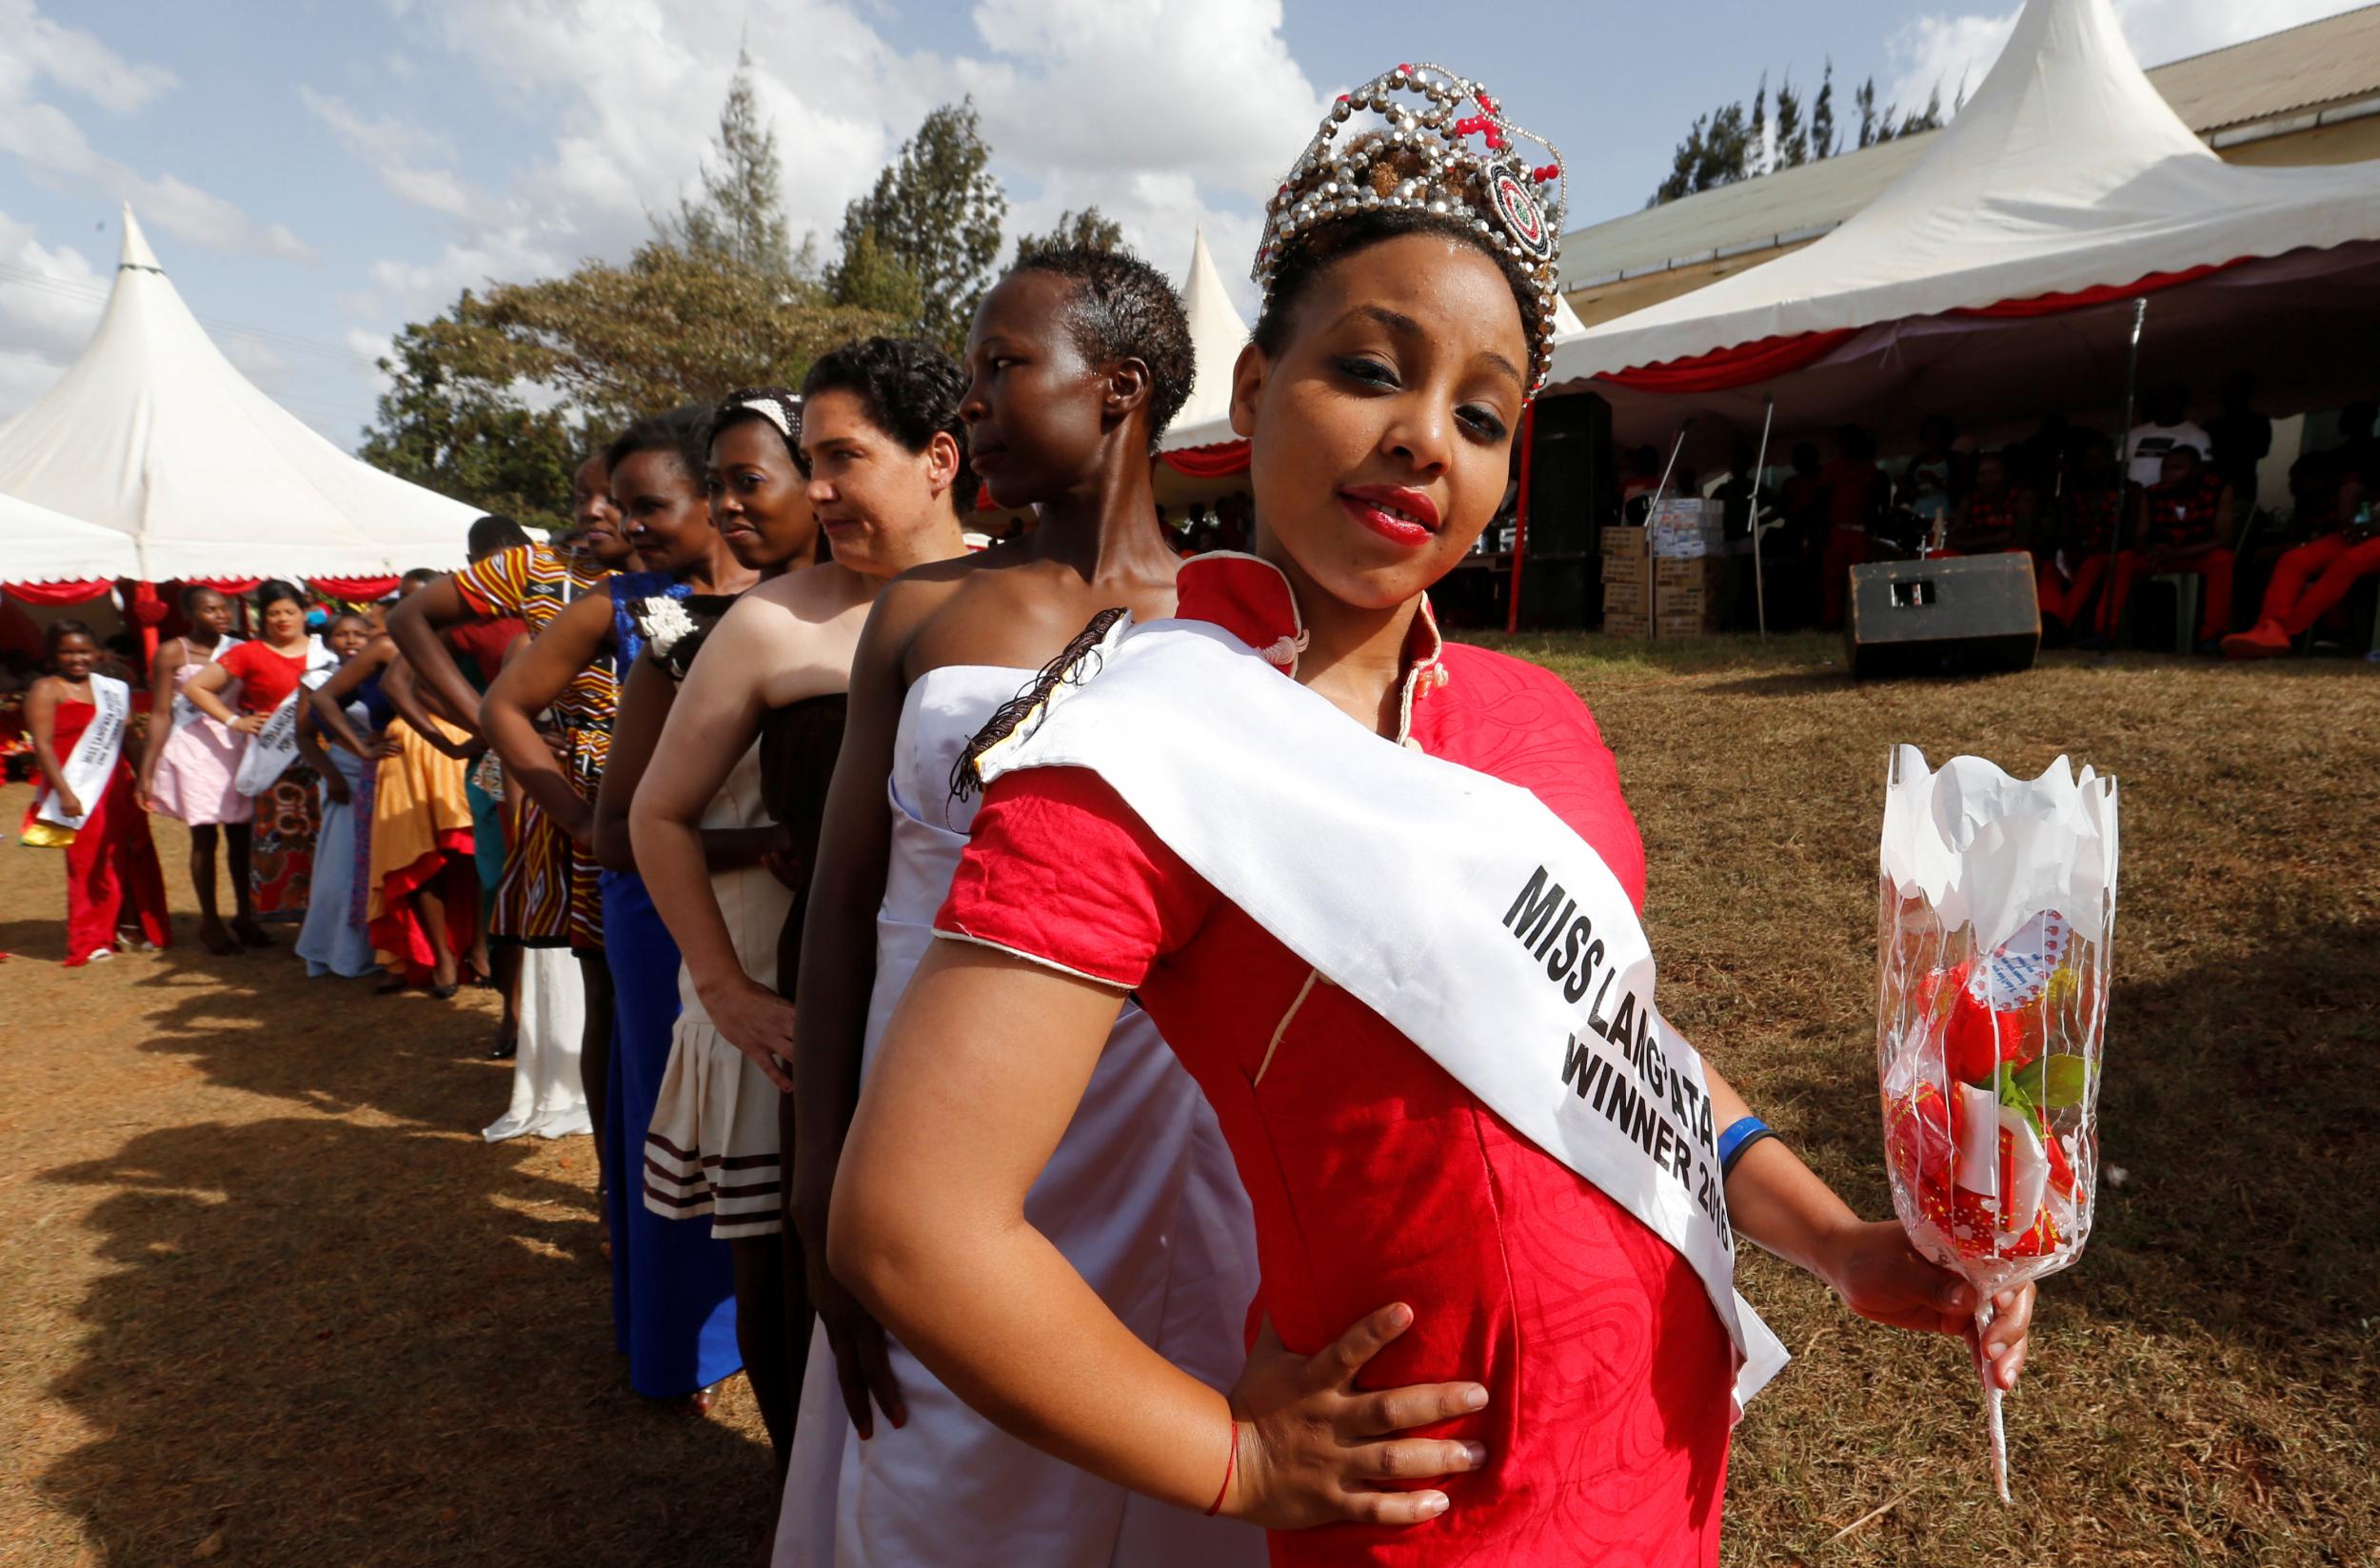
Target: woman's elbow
(866, 1244)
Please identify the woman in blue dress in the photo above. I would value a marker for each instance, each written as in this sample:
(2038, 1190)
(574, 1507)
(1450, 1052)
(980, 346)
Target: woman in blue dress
(333, 939)
(673, 1306)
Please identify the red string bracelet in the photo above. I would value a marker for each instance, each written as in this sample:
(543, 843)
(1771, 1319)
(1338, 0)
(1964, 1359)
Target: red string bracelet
(1229, 1466)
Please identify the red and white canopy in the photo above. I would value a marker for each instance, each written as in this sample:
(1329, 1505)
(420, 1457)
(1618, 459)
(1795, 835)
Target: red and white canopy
(2064, 189)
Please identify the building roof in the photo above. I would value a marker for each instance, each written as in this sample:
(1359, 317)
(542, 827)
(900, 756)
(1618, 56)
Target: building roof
(2297, 70)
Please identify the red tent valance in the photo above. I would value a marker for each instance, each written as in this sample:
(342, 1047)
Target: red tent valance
(232, 586)
(1747, 364)
(1723, 369)
(1220, 461)
(355, 590)
(2050, 305)
(59, 593)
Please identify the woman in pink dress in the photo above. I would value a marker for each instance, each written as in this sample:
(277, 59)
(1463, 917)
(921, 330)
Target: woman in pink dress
(1277, 822)
(188, 766)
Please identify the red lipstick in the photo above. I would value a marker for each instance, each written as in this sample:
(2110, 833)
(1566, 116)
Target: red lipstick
(1400, 515)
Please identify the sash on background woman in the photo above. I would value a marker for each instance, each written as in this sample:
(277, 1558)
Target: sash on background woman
(91, 765)
(184, 711)
(271, 749)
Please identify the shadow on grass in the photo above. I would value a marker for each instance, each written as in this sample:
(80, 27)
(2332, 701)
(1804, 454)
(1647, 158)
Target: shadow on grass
(314, 1348)
(2238, 1104)
(353, 1332)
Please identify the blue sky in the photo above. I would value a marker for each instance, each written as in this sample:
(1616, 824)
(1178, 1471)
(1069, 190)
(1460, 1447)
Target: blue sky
(314, 173)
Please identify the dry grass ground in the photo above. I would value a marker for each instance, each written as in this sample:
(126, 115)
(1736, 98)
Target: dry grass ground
(269, 1300)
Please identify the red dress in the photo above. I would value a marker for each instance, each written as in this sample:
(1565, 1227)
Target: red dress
(112, 878)
(265, 677)
(1375, 1176)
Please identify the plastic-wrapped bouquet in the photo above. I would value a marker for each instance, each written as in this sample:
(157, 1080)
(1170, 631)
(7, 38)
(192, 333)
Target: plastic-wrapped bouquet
(1997, 905)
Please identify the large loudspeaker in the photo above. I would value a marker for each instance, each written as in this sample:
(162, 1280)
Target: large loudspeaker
(1958, 615)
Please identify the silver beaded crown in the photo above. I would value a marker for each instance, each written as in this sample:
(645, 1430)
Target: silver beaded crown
(1470, 167)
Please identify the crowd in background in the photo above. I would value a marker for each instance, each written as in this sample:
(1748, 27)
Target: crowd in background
(2271, 569)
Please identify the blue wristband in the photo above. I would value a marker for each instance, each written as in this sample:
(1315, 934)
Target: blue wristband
(1741, 1135)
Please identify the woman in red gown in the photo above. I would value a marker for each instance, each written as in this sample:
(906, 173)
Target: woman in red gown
(115, 892)
(1551, 1381)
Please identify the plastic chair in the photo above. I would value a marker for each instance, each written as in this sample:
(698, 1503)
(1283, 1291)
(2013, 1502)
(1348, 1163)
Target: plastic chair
(2187, 587)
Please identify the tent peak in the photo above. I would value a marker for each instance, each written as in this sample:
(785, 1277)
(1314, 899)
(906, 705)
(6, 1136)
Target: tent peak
(136, 254)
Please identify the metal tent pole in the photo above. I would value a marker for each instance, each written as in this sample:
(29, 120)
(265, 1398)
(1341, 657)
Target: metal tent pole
(2124, 490)
(1752, 509)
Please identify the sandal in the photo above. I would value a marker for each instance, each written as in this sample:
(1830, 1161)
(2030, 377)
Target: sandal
(251, 934)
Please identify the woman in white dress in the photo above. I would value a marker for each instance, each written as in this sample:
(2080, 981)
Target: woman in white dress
(750, 741)
(1079, 359)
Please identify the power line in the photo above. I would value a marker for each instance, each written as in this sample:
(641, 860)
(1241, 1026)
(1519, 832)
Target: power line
(70, 288)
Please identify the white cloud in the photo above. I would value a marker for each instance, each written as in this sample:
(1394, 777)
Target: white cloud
(38, 47)
(50, 300)
(1944, 48)
(410, 160)
(35, 50)
(1082, 100)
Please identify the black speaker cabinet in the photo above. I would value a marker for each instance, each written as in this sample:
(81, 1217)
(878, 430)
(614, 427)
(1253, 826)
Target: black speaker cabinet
(1959, 615)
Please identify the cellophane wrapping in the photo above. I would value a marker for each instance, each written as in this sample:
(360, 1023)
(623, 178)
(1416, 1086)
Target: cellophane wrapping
(1996, 911)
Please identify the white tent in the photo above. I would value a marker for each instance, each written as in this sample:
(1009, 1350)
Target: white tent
(40, 545)
(2063, 188)
(153, 435)
(1218, 334)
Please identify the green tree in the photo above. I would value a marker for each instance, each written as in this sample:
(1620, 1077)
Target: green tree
(1823, 143)
(672, 325)
(741, 213)
(870, 278)
(1717, 150)
(1929, 118)
(452, 422)
(1792, 137)
(1089, 228)
(936, 210)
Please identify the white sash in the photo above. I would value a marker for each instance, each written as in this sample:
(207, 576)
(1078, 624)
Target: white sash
(271, 749)
(1456, 906)
(184, 711)
(91, 765)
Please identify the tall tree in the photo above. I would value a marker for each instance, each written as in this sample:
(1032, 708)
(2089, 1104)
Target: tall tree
(1865, 100)
(1792, 137)
(741, 214)
(1090, 229)
(936, 210)
(1757, 159)
(1823, 143)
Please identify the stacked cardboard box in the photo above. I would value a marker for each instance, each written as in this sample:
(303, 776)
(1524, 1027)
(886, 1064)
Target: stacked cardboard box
(1686, 596)
(1627, 583)
(1686, 529)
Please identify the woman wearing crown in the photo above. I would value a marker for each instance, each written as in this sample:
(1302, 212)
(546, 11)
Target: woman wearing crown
(1379, 892)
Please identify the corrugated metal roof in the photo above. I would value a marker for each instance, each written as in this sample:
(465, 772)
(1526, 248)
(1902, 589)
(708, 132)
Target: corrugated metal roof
(2297, 70)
